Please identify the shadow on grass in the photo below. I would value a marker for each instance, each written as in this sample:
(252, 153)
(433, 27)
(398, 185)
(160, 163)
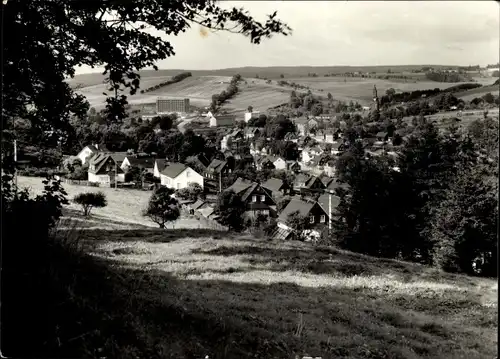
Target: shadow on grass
(234, 319)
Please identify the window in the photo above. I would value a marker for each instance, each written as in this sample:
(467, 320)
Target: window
(322, 218)
(311, 219)
(178, 185)
(262, 198)
(254, 198)
(187, 173)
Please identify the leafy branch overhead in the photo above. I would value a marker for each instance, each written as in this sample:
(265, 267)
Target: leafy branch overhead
(53, 37)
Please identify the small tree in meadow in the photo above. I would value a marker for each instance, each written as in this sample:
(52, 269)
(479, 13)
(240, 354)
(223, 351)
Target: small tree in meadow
(162, 207)
(90, 200)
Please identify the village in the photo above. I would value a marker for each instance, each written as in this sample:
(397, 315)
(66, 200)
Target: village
(307, 184)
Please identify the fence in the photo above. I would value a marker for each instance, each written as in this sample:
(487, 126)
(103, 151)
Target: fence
(209, 223)
(76, 182)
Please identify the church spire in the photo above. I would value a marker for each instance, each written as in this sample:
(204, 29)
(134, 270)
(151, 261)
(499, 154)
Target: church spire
(375, 96)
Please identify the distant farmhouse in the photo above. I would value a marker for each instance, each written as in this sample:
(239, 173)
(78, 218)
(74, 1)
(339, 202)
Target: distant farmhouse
(172, 105)
(225, 120)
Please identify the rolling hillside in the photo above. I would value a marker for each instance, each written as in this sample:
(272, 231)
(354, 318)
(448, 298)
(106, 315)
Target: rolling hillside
(478, 92)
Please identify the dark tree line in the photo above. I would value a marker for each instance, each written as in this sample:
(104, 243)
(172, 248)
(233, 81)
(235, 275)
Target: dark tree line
(435, 204)
(219, 99)
(173, 80)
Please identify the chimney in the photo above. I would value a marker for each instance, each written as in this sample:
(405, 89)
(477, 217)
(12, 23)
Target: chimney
(96, 146)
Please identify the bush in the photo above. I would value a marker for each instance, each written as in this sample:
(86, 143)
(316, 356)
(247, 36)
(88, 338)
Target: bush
(162, 207)
(90, 200)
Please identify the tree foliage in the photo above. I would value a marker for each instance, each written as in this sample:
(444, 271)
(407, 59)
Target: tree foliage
(162, 207)
(89, 200)
(229, 210)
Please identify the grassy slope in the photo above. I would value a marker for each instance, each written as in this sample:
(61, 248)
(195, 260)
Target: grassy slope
(190, 293)
(193, 294)
(124, 205)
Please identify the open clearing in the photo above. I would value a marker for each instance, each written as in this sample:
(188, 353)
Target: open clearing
(123, 210)
(238, 297)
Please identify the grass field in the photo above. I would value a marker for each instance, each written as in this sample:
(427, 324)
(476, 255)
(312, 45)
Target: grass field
(478, 92)
(256, 92)
(238, 297)
(123, 210)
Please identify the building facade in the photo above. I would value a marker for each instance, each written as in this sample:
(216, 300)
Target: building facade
(172, 105)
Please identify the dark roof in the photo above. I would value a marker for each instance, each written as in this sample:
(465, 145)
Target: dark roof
(313, 180)
(244, 188)
(273, 184)
(161, 164)
(145, 162)
(334, 184)
(381, 134)
(296, 204)
(174, 169)
(91, 147)
(216, 165)
(101, 159)
(118, 156)
(324, 199)
(196, 205)
(327, 180)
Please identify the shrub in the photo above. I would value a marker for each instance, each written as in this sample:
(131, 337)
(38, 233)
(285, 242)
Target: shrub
(90, 200)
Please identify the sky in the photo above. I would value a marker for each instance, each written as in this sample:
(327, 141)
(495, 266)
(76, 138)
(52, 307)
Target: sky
(349, 33)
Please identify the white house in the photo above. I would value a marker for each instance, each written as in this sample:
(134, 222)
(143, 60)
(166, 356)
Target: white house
(178, 176)
(306, 156)
(280, 164)
(159, 166)
(223, 142)
(249, 115)
(103, 169)
(87, 152)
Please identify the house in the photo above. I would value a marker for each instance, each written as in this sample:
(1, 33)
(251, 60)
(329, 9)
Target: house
(251, 132)
(317, 217)
(103, 169)
(293, 166)
(230, 140)
(119, 157)
(279, 163)
(144, 163)
(226, 120)
(382, 136)
(251, 114)
(87, 152)
(217, 168)
(276, 186)
(257, 199)
(327, 199)
(178, 176)
(308, 153)
(199, 162)
(159, 166)
(337, 148)
(312, 123)
(300, 181)
(314, 183)
(264, 163)
(332, 185)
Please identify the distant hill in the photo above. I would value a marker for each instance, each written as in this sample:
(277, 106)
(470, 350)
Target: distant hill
(272, 72)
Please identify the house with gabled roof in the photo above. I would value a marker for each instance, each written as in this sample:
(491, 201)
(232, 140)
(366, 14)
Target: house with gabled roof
(314, 183)
(300, 181)
(217, 168)
(144, 163)
(257, 200)
(159, 165)
(177, 176)
(316, 216)
(382, 136)
(333, 184)
(293, 166)
(326, 200)
(277, 187)
(87, 152)
(103, 169)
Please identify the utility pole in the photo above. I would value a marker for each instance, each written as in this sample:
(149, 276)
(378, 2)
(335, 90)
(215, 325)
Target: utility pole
(116, 176)
(15, 165)
(329, 212)
(220, 182)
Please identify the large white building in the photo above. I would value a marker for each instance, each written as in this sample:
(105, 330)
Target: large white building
(178, 176)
